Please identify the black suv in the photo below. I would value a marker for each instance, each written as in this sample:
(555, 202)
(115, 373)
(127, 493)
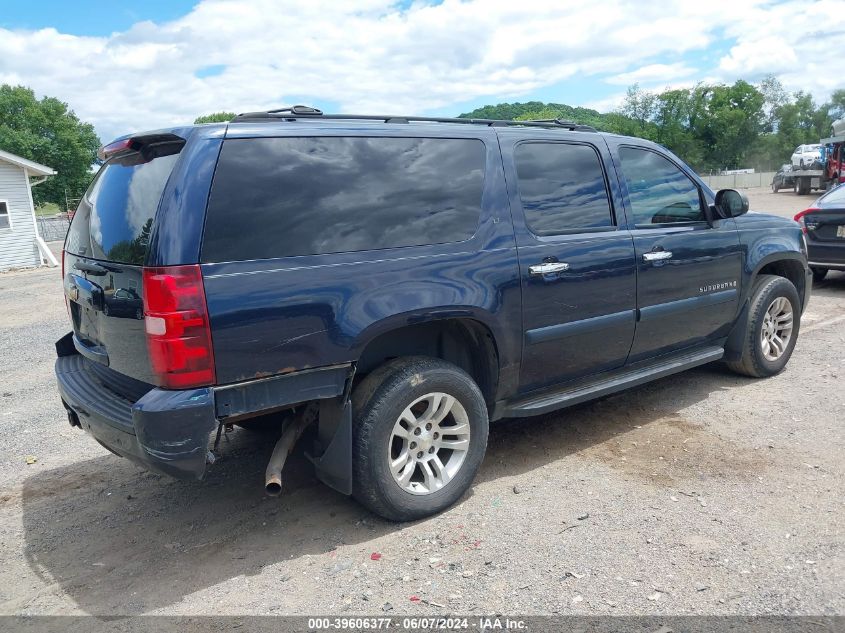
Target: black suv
(393, 284)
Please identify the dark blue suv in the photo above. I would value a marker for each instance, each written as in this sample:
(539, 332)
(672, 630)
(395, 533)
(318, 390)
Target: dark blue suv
(389, 285)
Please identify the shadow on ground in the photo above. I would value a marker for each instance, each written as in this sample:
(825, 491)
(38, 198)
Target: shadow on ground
(120, 540)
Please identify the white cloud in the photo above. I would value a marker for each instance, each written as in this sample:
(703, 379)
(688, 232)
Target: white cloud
(653, 74)
(379, 57)
(607, 104)
(794, 40)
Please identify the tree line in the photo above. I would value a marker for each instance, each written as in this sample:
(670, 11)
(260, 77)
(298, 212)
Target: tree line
(710, 126)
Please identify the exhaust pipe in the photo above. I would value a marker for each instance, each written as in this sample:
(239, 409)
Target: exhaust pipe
(291, 433)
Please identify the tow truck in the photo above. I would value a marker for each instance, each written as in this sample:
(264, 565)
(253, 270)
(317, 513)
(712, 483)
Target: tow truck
(831, 173)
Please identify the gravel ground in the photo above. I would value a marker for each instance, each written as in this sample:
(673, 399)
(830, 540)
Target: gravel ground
(702, 493)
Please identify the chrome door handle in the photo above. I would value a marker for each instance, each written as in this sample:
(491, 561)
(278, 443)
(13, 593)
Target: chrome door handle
(656, 256)
(548, 267)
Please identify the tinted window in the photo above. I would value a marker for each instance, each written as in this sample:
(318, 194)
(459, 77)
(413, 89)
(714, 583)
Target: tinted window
(658, 191)
(277, 197)
(562, 187)
(114, 219)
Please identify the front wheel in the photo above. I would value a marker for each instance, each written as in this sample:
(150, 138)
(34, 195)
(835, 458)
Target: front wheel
(774, 319)
(419, 434)
(775, 188)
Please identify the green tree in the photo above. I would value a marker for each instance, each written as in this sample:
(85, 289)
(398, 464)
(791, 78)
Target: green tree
(734, 122)
(640, 106)
(216, 117)
(836, 107)
(47, 132)
(539, 110)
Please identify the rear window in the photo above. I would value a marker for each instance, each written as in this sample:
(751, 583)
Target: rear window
(115, 218)
(279, 197)
(833, 197)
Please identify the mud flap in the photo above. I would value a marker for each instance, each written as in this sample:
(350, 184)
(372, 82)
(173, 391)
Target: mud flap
(334, 466)
(736, 339)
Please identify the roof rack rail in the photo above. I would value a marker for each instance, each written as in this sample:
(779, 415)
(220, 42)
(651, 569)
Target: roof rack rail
(306, 112)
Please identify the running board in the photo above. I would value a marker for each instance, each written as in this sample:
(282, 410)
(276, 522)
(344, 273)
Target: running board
(631, 377)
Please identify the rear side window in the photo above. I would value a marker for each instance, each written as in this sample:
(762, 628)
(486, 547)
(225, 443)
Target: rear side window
(659, 192)
(115, 218)
(562, 188)
(278, 197)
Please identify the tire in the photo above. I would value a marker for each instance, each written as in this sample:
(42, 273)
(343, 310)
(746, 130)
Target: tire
(818, 273)
(106, 310)
(379, 401)
(755, 361)
(775, 188)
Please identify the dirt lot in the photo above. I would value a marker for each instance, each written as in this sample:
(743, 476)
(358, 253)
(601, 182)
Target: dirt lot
(701, 493)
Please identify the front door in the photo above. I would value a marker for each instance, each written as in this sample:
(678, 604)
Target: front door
(576, 265)
(688, 269)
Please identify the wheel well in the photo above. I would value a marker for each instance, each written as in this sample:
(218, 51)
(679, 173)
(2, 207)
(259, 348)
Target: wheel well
(789, 269)
(463, 342)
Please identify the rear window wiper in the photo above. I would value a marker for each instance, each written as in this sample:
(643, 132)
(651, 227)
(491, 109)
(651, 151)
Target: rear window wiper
(91, 269)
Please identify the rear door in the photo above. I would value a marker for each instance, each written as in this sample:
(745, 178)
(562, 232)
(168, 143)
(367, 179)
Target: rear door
(576, 266)
(105, 251)
(688, 269)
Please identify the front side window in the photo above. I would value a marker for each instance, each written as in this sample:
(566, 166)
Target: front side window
(658, 191)
(562, 188)
(5, 221)
(279, 197)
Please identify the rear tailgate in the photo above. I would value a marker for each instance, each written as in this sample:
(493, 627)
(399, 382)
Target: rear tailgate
(105, 250)
(826, 224)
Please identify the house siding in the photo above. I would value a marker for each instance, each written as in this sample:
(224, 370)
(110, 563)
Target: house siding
(17, 245)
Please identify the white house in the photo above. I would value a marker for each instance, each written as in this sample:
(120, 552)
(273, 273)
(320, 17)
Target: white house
(20, 245)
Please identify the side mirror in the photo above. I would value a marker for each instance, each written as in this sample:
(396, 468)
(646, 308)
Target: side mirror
(730, 203)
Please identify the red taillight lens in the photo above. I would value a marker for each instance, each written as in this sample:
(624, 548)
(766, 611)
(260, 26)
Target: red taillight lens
(799, 217)
(67, 305)
(178, 330)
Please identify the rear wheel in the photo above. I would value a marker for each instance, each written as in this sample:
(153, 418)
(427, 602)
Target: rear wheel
(419, 434)
(818, 273)
(773, 323)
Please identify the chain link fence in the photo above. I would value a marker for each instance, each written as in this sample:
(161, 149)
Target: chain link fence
(53, 229)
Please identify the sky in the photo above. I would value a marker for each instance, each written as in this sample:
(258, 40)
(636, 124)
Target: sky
(131, 65)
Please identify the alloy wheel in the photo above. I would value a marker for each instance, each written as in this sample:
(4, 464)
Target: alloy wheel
(777, 328)
(429, 443)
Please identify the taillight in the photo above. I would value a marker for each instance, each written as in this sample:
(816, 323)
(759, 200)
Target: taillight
(799, 217)
(116, 147)
(177, 326)
(67, 305)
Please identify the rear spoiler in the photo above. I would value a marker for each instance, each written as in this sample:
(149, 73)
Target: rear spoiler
(134, 150)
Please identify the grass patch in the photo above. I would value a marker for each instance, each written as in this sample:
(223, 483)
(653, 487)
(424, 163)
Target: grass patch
(48, 208)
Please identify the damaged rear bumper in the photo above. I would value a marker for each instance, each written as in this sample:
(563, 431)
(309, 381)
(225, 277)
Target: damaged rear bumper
(165, 431)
